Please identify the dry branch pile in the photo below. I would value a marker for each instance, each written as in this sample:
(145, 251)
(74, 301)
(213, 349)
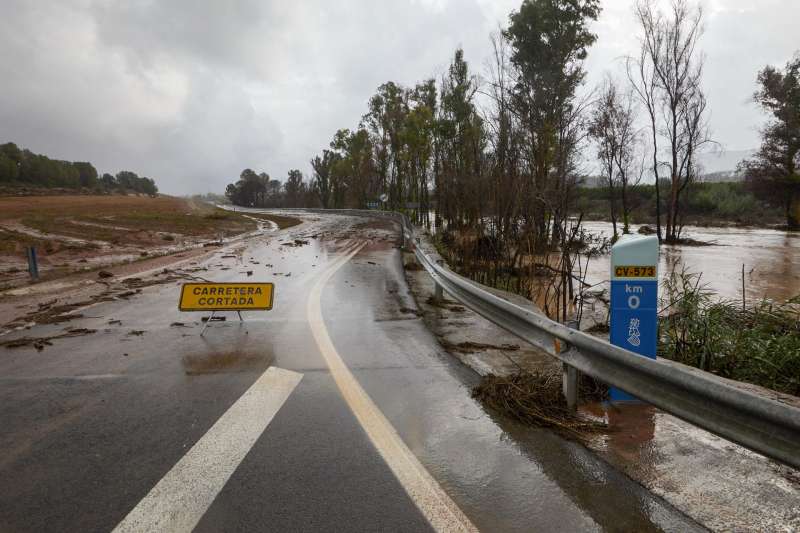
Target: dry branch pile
(536, 399)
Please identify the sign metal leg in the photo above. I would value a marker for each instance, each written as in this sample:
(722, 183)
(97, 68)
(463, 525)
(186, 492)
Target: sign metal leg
(202, 331)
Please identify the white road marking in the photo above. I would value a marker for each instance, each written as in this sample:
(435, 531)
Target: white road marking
(434, 503)
(183, 495)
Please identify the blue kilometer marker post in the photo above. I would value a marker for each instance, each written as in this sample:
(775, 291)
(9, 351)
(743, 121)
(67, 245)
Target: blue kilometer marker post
(634, 299)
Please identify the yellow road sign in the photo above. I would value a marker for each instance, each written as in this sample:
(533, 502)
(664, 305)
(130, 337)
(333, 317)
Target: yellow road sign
(635, 271)
(226, 297)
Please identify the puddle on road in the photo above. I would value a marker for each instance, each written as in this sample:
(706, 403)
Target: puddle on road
(226, 362)
(631, 432)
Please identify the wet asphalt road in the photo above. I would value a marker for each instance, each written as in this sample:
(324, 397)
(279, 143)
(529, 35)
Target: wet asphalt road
(90, 425)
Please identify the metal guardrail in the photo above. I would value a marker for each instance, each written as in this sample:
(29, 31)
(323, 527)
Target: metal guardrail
(766, 426)
(763, 425)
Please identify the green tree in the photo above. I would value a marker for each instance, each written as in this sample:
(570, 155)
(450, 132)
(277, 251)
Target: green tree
(323, 174)
(460, 142)
(87, 174)
(385, 121)
(294, 188)
(549, 41)
(773, 173)
(9, 171)
(353, 171)
(108, 181)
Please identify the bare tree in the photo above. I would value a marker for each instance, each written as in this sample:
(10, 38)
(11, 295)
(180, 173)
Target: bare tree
(628, 138)
(603, 132)
(670, 72)
(643, 82)
(612, 127)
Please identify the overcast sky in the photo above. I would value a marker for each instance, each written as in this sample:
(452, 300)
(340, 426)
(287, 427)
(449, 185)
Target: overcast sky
(190, 92)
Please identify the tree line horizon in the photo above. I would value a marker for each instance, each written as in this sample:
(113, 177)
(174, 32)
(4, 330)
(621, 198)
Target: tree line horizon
(20, 167)
(510, 167)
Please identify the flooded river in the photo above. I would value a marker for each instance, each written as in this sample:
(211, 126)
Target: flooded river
(771, 259)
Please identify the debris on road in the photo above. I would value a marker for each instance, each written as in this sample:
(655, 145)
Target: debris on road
(127, 294)
(471, 347)
(295, 243)
(136, 333)
(105, 274)
(49, 313)
(536, 399)
(40, 342)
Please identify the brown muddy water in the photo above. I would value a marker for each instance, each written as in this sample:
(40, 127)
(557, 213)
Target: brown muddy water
(771, 260)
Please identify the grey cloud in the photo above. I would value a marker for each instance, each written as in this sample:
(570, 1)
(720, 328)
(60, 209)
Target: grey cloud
(191, 92)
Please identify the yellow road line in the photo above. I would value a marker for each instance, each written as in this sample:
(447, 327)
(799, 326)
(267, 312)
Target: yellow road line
(434, 503)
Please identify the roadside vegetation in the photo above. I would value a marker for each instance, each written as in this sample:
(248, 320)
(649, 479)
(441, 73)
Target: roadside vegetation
(707, 204)
(754, 342)
(492, 162)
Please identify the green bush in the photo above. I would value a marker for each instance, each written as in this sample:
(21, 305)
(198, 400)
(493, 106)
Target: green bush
(757, 344)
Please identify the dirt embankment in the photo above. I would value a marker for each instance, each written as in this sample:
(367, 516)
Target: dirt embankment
(78, 233)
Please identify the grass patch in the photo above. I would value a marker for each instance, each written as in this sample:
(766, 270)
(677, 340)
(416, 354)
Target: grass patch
(122, 219)
(757, 343)
(14, 243)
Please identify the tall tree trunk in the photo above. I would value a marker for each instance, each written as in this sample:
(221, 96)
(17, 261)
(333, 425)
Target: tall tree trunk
(793, 212)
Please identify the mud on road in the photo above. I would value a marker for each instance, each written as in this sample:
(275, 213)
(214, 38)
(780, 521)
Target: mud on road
(82, 233)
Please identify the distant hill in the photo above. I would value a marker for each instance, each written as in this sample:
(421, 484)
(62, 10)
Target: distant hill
(721, 166)
(715, 167)
(20, 168)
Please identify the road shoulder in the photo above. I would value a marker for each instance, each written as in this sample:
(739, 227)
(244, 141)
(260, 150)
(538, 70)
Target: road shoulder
(714, 481)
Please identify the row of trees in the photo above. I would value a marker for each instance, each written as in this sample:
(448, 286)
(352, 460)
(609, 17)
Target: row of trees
(259, 190)
(502, 155)
(494, 162)
(517, 158)
(23, 167)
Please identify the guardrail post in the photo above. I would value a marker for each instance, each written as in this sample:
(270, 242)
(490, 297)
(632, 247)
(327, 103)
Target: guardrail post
(438, 294)
(570, 377)
(569, 383)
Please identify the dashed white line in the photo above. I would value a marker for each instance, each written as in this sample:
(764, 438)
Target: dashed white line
(179, 500)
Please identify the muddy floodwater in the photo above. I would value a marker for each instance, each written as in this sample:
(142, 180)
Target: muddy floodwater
(771, 260)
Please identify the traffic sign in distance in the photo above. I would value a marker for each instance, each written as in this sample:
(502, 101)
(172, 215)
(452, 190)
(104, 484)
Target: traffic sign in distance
(226, 297)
